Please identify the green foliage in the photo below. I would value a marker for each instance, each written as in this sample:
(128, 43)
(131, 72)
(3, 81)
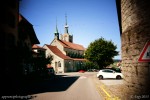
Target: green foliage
(74, 55)
(49, 59)
(90, 65)
(101, 52)
(41, 62)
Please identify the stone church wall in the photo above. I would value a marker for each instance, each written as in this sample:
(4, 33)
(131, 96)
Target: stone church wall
(135, 19)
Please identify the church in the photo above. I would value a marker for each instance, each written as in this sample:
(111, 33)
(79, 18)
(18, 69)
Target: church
(67, 56)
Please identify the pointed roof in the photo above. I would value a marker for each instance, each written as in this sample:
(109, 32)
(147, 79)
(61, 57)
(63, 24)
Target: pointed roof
(56, 31)
(57, 52)
(66, 26)
(71, 45)
(26, 27)
(66, 19)
(35, 46)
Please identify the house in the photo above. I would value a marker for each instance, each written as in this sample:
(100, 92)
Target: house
(16, 37)
(67, 56)
(26, 39)
(38, 51)
(39, 59)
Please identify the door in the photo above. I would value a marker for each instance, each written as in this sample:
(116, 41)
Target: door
(109, 73)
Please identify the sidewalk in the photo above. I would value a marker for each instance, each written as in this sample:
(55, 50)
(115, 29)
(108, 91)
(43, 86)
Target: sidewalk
(113, 91)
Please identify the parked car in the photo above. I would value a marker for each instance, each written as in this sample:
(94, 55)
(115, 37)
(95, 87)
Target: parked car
(89, 70)
(116, 69)
(50, 72)
(92, 70)
(81, 71)
(109, 73)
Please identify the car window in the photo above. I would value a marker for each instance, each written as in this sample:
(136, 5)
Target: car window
(50, 70)
(107, 71)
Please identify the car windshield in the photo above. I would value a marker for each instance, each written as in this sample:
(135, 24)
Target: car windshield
(107, 71)
(51, 70)
(117, 70)
(114, 69)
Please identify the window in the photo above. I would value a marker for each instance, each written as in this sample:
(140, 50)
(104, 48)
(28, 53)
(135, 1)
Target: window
(107, 71)
(59, 64)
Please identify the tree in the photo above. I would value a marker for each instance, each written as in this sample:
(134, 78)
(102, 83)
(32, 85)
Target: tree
(41, 62)
(49, 59)
(101, 52)
(90, 65)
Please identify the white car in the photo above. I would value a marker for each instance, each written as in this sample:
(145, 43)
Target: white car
(109, 73)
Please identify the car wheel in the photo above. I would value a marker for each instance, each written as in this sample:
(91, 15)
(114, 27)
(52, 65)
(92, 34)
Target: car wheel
(118, 77)
(100, 77)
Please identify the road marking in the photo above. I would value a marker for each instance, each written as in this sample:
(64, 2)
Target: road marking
(99, 90)
(82, 77)
(107, 95)
(105, 91)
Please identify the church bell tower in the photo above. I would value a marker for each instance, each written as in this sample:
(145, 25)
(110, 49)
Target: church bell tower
(66, 36)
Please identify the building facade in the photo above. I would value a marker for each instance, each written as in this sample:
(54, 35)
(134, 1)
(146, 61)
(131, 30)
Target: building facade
(67, 56)
(16, 37)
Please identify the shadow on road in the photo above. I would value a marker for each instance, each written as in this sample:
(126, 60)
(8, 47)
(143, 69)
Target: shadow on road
(59, 83)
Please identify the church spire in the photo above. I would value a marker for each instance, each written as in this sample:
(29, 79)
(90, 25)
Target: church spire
(66, 25)
(56, 32)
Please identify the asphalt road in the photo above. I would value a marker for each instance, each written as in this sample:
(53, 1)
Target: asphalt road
(68, 86)
(112, 82)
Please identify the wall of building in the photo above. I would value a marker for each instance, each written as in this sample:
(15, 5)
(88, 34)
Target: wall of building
(68, 65)
(9, 39)
(78, 65)
(55, 61)
(135, 33)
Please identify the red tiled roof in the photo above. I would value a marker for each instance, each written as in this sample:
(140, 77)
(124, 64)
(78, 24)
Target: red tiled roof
(63, 44)
(35, 46)
(56, 51)
(71, 45)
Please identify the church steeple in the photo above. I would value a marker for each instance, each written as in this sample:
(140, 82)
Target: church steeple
(56, 32)
(66, 25)
(66, 36)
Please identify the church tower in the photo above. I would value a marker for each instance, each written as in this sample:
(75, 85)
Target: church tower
(66, 36)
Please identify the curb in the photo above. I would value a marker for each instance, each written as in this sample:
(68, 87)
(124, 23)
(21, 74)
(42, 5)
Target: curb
(104, 91)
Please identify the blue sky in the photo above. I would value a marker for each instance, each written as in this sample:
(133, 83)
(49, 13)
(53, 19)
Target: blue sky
(88, 20)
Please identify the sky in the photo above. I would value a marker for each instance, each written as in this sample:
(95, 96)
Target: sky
(88, 20)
